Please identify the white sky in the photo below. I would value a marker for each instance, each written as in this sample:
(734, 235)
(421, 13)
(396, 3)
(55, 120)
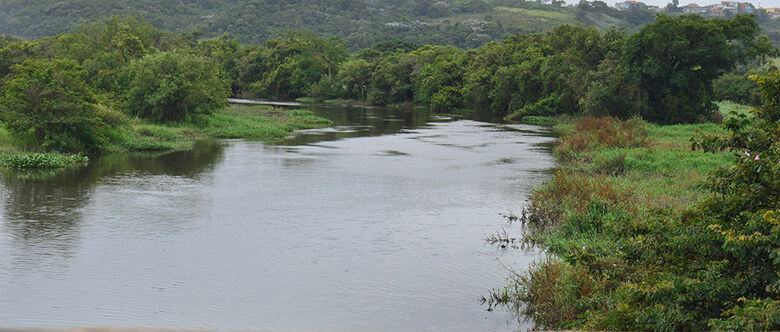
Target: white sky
(662, 3)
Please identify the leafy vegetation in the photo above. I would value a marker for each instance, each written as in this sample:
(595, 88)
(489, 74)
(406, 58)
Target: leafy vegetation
(48, 103)
(647, 234)
(40, 160)
(675, 61)
(172, 86)
(121, 85)
(361, 23)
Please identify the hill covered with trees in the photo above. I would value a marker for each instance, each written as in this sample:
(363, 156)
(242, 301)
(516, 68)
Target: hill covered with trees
(360, 23)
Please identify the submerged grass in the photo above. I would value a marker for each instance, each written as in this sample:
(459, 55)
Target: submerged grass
(259, 122)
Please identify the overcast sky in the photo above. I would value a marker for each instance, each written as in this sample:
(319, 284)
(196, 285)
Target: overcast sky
(764, 3)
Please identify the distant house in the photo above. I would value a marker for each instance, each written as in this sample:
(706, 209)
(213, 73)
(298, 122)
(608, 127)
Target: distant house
(630, 4)
(720, 9)
(654, 8)
(717, 9)
(693, 9)
(745, 8)
(729, 6)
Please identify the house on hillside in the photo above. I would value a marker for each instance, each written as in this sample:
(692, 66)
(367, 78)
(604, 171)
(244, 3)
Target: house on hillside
(729, 6)
(716, 10)
(693, 8)
(720, 9)
(774, 13)
(630, 4)
(745, 8)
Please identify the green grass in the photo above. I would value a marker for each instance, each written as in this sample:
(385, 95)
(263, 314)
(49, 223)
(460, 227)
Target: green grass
(604, 193)
(726, 108)
(539, 120)
(306, 100)
(260, 122)
(551, 14)
(235, 121)
(678, 137)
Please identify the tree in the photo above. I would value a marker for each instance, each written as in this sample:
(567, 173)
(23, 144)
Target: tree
(354, 76)
(676, 59)
(223, 50)
(174, 86)
(49, 104)
(743, 217)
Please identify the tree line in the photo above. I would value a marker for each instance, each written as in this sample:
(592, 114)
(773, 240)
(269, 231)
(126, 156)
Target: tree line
(72, 91)
(663, 73)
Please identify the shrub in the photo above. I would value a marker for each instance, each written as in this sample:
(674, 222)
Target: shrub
(49, 104)
(604, 132)
(737, 88)
(174, 86)
(547, 106)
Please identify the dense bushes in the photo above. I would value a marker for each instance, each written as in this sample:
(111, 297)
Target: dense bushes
(49, 104)
(663, 73)
(676, 59)
(174, 86)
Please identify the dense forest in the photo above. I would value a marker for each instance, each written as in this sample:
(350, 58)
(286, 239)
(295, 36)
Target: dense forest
(663, 73)
(461, 23)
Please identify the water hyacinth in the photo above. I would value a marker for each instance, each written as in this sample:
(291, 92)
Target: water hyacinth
(40, 160)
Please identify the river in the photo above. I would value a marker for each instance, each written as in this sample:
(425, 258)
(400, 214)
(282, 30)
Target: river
(377, 223)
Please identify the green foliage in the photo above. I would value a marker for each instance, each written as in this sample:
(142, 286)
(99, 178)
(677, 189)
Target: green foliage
(676, 59)
(40, 160)
(259, 122)
(225, 52)
(751, 315)
(657, 250)
(354, 76)
(391, 81)
(612, 91)
(737, 88)
(49, 104)
(174, 86)
(361, 23)
(296, 62)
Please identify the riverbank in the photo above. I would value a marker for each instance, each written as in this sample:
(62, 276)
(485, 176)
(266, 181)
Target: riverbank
(625, 222)
(261, 122)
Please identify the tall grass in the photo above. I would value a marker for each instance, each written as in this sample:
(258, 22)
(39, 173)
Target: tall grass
(617, 180)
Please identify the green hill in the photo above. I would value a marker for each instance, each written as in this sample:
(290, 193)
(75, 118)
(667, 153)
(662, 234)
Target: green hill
(361, 23)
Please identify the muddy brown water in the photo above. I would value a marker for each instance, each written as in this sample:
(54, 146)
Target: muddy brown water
(377, 223)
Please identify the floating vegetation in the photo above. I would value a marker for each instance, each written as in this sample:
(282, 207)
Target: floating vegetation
(40, 160)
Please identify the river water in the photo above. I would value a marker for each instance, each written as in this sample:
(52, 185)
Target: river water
(377, 223)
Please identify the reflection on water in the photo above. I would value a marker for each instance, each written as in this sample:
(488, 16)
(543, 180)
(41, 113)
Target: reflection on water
(41, 212)
(377, 223)
(349, 122)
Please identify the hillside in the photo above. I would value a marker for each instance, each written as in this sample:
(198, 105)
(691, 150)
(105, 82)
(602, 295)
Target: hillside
(361, 23)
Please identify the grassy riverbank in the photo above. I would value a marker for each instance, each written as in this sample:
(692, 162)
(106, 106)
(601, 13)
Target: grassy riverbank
(235, 121)
(627, 222)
